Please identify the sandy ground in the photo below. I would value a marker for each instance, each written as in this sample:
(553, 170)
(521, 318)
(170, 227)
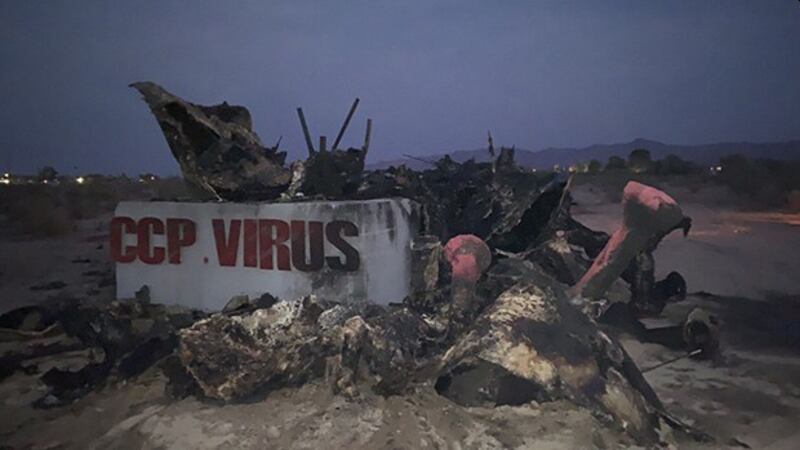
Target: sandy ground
(80, 260)
(752, 393)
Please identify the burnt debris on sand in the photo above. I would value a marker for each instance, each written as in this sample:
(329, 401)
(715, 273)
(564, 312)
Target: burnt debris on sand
(508, 290)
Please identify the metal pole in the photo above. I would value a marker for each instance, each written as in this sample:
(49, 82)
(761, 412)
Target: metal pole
(367, 136)
(323, 144)
(345, 124)
(307, 135)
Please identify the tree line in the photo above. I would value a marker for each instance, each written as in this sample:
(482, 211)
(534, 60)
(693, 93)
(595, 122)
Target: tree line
(640, 161)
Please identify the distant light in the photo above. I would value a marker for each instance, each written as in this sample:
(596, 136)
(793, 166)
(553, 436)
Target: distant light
(719, 168)
(5, 181)
(45, 181)
(6, 175)
(80, 180)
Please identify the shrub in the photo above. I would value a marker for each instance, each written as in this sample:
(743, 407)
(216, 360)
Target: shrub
(768, 183)
(639, 160)
(615, 163)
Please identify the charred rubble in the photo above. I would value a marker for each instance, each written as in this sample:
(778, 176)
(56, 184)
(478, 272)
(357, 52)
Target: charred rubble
(216, 147)
(74, 346)
(507, 291)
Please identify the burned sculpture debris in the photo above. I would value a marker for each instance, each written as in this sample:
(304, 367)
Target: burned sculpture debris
(468, 257)
(531, 344)
(649, 215)
(232, 357)
(218, 151)
(216, 147)
(88, 342)
(501, 277)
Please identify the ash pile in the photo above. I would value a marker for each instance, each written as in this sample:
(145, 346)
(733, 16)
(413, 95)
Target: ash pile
(512, 299)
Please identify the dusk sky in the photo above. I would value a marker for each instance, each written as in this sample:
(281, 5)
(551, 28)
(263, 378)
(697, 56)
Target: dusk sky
(433, 75)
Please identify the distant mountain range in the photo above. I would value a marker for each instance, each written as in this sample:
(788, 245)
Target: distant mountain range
(547, 158)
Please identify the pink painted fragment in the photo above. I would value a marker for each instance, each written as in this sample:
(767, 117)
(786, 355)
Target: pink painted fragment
(468, 256)
(648, 196)
(648, 215)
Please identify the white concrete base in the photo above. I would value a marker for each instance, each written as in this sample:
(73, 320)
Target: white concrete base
(366, 247)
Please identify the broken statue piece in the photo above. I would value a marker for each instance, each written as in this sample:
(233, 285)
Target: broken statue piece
(468, 257)
(216, 148)
(428, 270)
(234, 358)
(383, 352)
(532, 344)
(562, 260)
(648, 216)
(426, 254)
(650, 297)
(701, 332)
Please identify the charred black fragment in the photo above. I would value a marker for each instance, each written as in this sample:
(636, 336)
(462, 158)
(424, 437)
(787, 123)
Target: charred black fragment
(216, 147)
(121, 339)
(531, 340)
(333, 174)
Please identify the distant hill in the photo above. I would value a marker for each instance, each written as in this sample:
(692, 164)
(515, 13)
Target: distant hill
(547, 158)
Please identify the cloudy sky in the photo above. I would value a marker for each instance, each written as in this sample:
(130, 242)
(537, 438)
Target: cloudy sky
(433, 75)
